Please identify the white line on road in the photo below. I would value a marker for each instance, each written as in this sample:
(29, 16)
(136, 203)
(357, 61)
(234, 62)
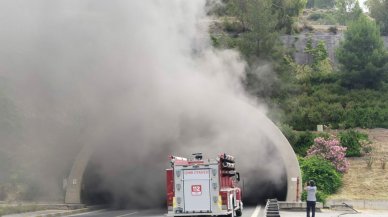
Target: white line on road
(257, 211)
(127, 214)
(83, 213)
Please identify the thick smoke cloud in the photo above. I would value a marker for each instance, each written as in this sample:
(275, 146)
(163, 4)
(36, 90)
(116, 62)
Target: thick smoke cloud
(137, 80)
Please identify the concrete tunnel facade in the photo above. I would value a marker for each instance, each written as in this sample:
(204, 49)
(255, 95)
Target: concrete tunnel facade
(286, 153)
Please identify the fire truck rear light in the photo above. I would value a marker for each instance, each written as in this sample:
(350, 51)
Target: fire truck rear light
(214, 172)
(215, 199)
(214, 186)
(178, 187)
(174, 202)
(178, 200)
(178, 173)
(224, 198)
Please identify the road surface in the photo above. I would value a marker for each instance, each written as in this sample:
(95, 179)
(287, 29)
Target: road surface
(247, 212)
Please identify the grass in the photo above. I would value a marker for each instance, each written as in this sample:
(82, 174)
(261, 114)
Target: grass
(6, 209)
(366, 179)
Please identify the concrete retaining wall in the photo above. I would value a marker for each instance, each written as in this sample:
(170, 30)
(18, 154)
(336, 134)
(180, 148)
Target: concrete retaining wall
(298, 44)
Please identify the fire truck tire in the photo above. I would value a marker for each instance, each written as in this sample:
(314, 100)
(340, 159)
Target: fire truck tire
(239, 212)
(231, 214)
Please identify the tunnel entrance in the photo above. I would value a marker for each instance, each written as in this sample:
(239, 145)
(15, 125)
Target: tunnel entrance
(259, 192)
(135, 176)
(123, 190)
(93, 192)
(122, 185)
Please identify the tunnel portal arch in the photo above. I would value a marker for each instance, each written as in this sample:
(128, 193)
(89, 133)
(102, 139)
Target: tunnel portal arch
(290, 161)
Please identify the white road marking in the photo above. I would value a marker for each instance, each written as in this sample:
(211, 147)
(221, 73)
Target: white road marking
(83, 213)
(127, 214)
(256, 212)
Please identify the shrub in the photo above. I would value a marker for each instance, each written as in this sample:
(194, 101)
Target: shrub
(333, 29)
(383, 162)
(369, 162)
(315, 16)
(330, 150)
(352, 140)
(300, 141)
(332, 105)
(327, 179)
(304, 142)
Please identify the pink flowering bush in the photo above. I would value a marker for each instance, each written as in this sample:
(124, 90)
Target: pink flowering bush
(331, 150)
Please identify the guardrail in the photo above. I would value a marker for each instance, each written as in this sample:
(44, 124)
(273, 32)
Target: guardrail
(272, 208)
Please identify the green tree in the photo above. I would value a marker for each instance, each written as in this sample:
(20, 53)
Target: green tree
(287, 12)
(379, 11)
(310, 4)
(260, 45)
(261, 39)
(320, 3)
(318, 55)
(347, 11)
(283, 12)
(362, 56)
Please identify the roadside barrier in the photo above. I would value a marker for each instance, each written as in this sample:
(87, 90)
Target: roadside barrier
(272, 208)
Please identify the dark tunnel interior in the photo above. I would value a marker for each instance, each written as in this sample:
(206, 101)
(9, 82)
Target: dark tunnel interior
(95, 192)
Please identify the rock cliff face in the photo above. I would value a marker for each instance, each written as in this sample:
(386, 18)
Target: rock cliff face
(298, 44)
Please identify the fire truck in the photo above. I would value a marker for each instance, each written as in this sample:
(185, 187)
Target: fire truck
(197, 187)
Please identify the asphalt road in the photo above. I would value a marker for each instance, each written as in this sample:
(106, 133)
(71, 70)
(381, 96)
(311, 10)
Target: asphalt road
(247, 212)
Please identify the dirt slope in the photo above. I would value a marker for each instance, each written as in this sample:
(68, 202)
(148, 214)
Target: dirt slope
(363, 182)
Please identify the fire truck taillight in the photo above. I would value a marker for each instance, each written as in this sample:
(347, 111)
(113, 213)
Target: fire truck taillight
(224, 200)
(170, 201)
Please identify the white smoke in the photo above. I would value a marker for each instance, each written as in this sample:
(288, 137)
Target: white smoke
(138, 79)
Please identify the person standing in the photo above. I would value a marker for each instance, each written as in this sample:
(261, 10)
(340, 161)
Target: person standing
(311, 198)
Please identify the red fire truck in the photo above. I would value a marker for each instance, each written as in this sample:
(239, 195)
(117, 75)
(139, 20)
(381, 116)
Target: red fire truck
(197, 187)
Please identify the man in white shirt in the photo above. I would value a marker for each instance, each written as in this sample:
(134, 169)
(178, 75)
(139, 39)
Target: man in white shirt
(311, 199)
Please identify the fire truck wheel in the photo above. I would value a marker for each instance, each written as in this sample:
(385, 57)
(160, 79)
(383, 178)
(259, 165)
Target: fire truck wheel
(230, 215)
(233, 214)
(238, 212)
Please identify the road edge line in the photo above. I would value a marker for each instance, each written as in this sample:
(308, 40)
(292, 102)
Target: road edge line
(257, 211)
(128, 214)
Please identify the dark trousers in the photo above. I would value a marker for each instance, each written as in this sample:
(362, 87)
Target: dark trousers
(310, 206)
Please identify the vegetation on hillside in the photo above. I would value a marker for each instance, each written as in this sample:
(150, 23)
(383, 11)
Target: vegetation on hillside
(328, 180)
(362, 56)
(379, 11)
(350, 94)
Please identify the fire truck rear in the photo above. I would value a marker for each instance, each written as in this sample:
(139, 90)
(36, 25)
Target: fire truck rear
(198, 187)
